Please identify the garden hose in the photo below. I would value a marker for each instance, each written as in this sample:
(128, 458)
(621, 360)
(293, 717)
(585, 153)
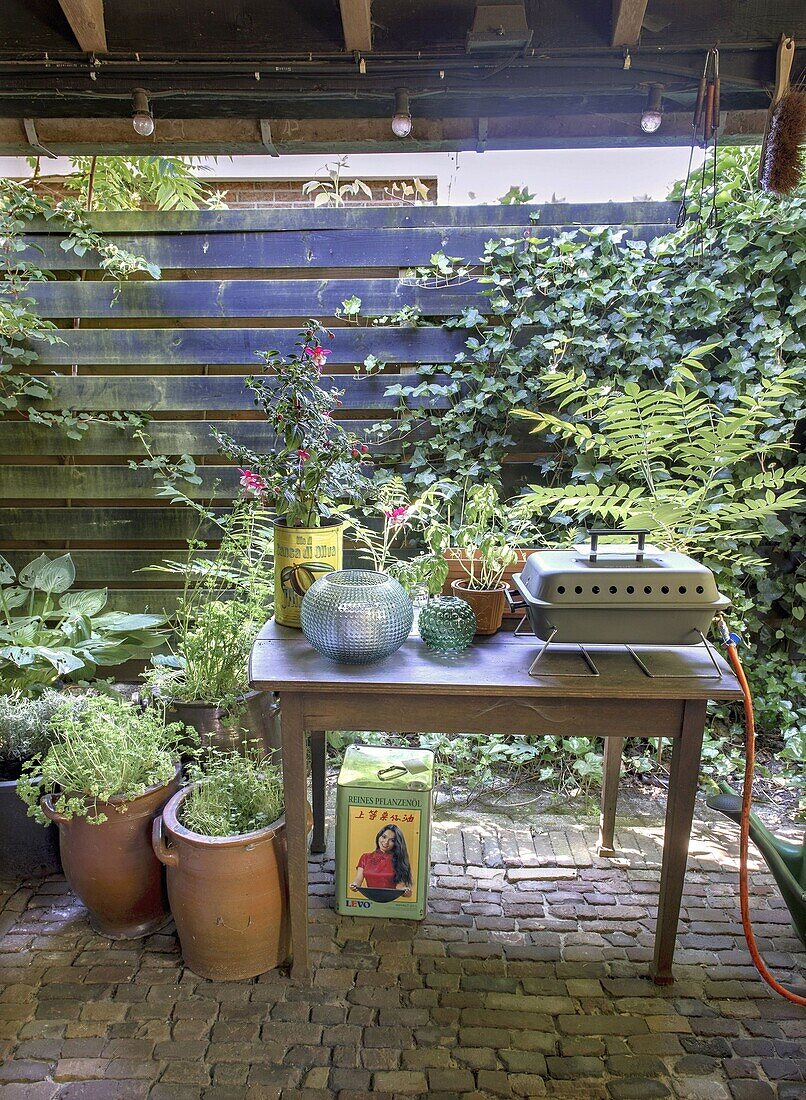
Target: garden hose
(731, 641)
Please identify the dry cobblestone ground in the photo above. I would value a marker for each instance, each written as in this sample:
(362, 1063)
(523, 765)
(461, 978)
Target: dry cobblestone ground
(526, 980)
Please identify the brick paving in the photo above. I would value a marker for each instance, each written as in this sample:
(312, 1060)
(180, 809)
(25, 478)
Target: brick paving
(526, 980)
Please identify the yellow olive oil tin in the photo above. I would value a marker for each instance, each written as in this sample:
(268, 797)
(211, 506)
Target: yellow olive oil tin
(383, 832)
(301, 556)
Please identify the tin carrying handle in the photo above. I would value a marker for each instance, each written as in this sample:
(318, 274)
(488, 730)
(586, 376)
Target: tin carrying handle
(640, 533)
(394, 771)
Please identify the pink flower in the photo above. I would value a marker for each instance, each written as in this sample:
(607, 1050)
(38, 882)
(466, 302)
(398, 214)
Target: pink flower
(396, 516)
(318, 355)
(303, 454)
(253, 483)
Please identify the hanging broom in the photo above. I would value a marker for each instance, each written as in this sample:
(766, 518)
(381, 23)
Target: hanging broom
(781, 164)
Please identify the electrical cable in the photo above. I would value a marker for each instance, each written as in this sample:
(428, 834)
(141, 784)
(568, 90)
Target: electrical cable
(731, 641)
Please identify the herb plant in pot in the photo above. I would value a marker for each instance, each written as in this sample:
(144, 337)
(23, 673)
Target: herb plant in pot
(108, 771)
(314, 473)
(25, 847)
(480, 543)
(222, 840)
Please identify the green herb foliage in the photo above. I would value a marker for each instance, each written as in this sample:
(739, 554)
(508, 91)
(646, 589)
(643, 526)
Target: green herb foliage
(231, 794)
(25, 727)
(109, 748)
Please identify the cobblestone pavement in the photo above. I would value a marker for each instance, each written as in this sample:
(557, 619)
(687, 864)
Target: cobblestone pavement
(526, 980)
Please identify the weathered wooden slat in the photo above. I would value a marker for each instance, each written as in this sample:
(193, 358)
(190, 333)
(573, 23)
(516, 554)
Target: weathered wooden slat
(247, 298)
(280, 220)
(19, 437)
(159, 346)
(142, 526)
(349, 248)
(113, 568)
(106, 483)
(199, 393)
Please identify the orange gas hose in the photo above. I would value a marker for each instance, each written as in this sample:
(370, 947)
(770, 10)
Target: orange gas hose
(744, 834)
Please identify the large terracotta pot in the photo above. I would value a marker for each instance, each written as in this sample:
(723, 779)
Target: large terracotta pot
(26, 848)
(488, 603)
(228, 895)
(112, 868)
(216, 724)
(456, 572)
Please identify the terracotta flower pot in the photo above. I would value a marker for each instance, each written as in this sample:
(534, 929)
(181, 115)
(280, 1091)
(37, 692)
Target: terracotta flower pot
(457, 572)
(228, 895)
(111, 867)
(488, 603)
(216, 724)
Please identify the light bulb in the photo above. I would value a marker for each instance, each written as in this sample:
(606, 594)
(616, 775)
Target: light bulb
(401, 119)
(143, 123)
(401, 125)
(142, 119)
(652, 115)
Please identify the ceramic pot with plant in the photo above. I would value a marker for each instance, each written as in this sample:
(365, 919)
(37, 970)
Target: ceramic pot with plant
(49, 635)
(222, 840)
(479, 542)
(315, 471)
(25, 847)
(107, 773)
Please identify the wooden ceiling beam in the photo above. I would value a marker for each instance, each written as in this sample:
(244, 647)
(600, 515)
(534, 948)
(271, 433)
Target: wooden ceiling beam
(221, 136)
(627, 20)
(86, 19)
(357, 25)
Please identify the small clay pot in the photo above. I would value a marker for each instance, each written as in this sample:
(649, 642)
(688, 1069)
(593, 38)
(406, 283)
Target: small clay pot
(488, 603)
(216, 724)
(111, 867)
(26, 848)
(228, 895)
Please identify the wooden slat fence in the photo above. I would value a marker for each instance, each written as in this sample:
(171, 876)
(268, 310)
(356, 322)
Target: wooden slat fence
(233, 283)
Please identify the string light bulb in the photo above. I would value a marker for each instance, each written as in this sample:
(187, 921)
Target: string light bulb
(652, 115)
(401, 119)
(142, 118)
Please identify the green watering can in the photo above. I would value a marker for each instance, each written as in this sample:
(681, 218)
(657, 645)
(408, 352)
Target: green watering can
(787, 861)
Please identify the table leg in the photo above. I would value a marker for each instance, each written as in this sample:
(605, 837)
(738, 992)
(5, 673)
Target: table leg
(613, 749)
(295, 789)
(318, 774)
(683, 780)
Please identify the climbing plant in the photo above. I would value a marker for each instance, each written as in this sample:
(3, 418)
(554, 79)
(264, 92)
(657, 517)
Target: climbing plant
(611, 312)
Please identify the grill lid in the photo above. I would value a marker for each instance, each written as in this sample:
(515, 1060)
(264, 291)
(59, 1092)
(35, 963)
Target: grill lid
(618, 574)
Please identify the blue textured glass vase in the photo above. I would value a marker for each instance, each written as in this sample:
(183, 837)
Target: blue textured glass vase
(447, 624)
(356, 615)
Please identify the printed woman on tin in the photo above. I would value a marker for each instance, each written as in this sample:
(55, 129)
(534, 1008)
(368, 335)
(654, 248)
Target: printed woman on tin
(388, 867)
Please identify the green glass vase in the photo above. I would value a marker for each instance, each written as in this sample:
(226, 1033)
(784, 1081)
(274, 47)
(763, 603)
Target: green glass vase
(447, 624)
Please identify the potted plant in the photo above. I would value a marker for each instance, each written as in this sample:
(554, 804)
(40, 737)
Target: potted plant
(49, 634)
(203, 681)
(222, 840)
(310, 477)
(25, 847)
(481, 546)
(108, 771)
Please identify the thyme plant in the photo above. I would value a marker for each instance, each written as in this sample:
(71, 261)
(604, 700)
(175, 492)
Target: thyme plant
(232, 793)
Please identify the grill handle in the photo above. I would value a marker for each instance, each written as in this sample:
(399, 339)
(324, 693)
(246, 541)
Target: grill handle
(640, 533)
(516, 603)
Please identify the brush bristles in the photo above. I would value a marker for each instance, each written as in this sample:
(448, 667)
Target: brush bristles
(783, 161)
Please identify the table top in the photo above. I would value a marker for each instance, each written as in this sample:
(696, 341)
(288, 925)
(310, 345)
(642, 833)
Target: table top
(283, 660)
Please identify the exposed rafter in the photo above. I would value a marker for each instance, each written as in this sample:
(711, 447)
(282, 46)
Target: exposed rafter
(86, 19)
(355, 19)
(628, 17)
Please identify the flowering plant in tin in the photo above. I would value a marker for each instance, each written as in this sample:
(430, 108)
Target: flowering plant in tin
(316, 468)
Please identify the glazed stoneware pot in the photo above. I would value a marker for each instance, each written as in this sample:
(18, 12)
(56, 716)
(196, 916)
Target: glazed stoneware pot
(26, 848)
(216, 724)
(111, 867)
(488, 603)
(228, 895)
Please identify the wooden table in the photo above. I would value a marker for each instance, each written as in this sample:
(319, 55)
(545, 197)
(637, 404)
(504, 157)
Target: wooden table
(488, 689)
